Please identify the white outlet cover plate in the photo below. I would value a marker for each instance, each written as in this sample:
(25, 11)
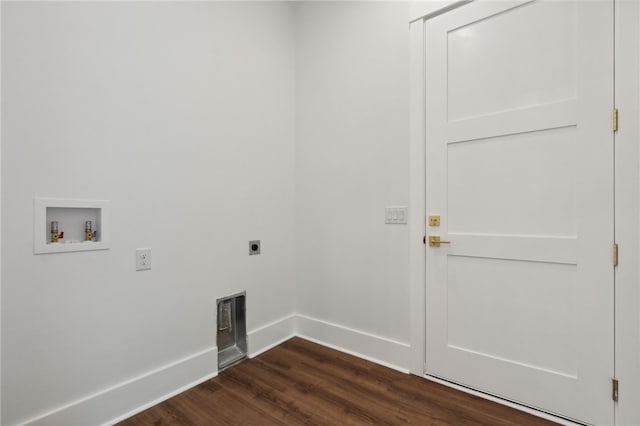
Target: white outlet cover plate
(143, 259)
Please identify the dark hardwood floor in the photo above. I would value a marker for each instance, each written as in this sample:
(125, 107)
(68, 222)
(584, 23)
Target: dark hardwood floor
(300, 382)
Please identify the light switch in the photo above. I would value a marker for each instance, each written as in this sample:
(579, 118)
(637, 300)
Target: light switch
(395, 215)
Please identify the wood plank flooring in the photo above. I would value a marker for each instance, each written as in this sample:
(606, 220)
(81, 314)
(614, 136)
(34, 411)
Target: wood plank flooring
(300, 382)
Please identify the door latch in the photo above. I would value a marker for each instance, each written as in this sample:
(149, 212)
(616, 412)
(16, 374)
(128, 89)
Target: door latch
(435, 241)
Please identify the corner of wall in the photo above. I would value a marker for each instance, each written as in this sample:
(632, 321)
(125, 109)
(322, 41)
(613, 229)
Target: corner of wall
(270, 335)
(380, 350)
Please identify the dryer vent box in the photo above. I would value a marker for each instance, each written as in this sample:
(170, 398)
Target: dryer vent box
(232, 330)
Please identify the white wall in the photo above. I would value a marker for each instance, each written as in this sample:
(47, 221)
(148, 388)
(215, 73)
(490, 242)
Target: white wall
(352, 160)
(182, 115)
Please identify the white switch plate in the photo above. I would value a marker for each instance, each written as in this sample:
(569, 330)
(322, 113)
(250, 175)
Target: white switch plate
(395, 214)
(143, 259)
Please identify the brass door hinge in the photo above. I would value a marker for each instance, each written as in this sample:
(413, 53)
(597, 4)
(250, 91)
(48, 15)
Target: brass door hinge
(614, 393)
(615, 119)
(615, 255)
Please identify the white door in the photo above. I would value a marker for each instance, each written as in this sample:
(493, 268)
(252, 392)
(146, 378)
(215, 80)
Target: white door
(519, 99)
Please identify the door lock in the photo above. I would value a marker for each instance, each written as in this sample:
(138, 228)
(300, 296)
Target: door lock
(435, 241)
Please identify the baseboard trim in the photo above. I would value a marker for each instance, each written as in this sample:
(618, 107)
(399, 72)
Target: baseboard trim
(270, 335)
(163, 397)
(134, 395)
(142, 392)
(380, 350)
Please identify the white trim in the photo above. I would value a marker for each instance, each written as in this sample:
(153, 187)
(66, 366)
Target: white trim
(358, 355)
(132, 396)
(136, 394)
(504, 402)
(161, 399)
(0, 216)
(270, 335)
(140, 393)
(417, 207)
(417, 177)
(627, 210)
(421, 10)
(353, 338)
(383, 351)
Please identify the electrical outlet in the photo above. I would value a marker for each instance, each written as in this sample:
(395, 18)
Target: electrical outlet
(254, 247)
(143, 259)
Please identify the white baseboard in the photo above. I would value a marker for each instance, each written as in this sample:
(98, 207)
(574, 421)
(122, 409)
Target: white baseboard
(135, 395)
(387, 352)
(373, 348)
(271, 335)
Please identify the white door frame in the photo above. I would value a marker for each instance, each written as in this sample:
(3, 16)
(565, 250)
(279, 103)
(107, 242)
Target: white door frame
(627, 209)
(421, 11)
(627, 202)
(0, 221)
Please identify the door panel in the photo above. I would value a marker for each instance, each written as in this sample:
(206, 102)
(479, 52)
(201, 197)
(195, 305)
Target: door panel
(478, 87)
(520, 168)
(483, 171)
(473, 312)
